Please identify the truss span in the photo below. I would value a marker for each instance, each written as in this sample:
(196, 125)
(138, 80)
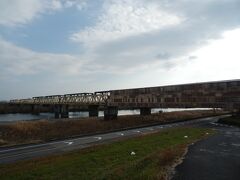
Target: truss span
(75, 99)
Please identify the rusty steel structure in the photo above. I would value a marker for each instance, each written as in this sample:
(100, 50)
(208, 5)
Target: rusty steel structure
(218, 94)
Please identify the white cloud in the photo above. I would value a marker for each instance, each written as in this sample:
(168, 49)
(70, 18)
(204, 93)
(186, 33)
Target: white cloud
(133, 43)
(219, 60)
(125, 18)
(55, 4)
(15, 61)
(80, 4)
(20, 12)
(125, 44)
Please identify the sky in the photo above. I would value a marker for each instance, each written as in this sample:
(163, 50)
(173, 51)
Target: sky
(50, 47)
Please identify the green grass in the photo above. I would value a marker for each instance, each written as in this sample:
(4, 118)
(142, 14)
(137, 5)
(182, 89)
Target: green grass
(233, 120)
(154, 153)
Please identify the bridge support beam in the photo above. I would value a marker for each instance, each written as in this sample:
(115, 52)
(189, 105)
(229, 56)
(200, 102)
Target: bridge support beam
(35, 109)
(110, 113)
(93, 111)
(64, 111)
(145, 111)
(57, 111)
(61, 111)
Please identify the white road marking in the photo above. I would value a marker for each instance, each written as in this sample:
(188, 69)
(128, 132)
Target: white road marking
(121, 134)
(99, 138)
(69, 143)
(38, 145)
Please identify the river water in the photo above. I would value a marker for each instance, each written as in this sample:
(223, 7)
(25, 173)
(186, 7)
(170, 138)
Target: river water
(7, 118)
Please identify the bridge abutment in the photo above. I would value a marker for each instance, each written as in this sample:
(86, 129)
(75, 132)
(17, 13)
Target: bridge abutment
(145, 111)
(110, 113)
(93, 110)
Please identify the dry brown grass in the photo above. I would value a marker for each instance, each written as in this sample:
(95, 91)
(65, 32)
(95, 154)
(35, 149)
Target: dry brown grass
(45, 130)
(167, 159)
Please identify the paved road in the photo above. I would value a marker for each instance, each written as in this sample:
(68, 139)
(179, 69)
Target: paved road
(216, 158)
(32, 151)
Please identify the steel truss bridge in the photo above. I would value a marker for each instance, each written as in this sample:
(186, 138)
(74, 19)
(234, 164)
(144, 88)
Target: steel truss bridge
(67, 99)
(218, 94)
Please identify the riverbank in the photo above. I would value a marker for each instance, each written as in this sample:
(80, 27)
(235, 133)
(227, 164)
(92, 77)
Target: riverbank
(150, 156)
(24, 132)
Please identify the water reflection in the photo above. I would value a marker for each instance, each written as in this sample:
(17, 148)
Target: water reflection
(17, 117)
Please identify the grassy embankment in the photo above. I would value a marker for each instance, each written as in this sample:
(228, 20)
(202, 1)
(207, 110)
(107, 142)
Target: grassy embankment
(155, 156)
(44, 130)
(232, 120)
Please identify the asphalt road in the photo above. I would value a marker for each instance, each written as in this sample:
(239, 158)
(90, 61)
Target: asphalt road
(215, 158)
(12, 155)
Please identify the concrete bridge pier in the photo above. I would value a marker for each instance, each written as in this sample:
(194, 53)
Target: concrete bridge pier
(93, 110)
(64, 111)
(61, 111)
(35, 109)
(110, 113)
(145, 111)
(57, 111)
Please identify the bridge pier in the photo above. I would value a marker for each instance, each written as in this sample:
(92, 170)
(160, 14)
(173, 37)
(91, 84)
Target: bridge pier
(57, 111)
(93, 110)
(35, 109)
(64, 111)
(61, 111)
(110, 113)
(145, 111)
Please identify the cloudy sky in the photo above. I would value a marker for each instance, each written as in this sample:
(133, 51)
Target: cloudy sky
(69, 46)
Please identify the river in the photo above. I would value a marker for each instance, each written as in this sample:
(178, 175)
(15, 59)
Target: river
(7, 118)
